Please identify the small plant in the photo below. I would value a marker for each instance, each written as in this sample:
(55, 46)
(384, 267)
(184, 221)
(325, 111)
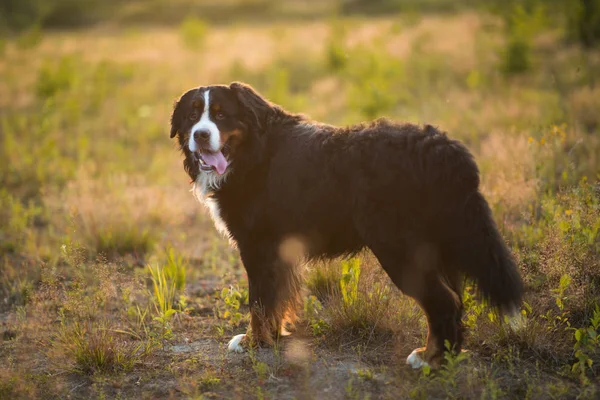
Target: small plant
(366, 374)
(561, 320)
(208, 381)
(165, 292)
(559, 292)
(175, 269)
(231, 299)
(264, 370)
(324, 281)
(349, 281)
(448, 373)
(473, 308)
(352, 392)
(260, 368)
(587, 345)
(93, 348)
(138, 316)
(312, 310)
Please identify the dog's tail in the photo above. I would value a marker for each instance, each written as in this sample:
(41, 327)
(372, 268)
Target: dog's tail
(478, 251)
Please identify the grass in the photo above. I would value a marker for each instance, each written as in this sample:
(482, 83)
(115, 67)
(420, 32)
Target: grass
(94, 348)
(114, 283)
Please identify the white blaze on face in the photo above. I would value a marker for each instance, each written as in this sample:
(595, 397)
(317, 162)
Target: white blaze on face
(205, 124)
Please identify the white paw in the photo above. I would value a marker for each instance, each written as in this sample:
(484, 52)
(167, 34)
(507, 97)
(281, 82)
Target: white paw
(234, 343)
(516, 320)
(415, 360)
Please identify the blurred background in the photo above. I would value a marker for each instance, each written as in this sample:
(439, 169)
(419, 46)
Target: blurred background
(113, 280)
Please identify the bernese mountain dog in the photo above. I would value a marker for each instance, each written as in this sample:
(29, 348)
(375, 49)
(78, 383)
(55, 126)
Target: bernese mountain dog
(275, 181)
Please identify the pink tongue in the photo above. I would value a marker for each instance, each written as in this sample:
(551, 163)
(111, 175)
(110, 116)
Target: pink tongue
(217, 160)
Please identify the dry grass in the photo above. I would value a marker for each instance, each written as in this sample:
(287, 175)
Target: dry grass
(93, 191)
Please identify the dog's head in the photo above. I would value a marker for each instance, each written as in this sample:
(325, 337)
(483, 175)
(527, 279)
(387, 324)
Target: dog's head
(213, 125)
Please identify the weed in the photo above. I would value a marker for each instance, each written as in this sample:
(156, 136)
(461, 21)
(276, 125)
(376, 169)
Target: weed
(349, 281)
(312, 310)
(175, 269)
(165, 292)
(15, 219)
(323, 280)
(587, 345)
(473, 308)
(363, 307)
(208, 381)
(94, 348)
(366, 374)
(139, 317)
(229, 306)
(450, 369)
(559, 293)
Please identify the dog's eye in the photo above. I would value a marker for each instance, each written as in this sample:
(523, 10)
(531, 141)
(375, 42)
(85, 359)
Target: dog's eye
(219, 115)
(193, 115)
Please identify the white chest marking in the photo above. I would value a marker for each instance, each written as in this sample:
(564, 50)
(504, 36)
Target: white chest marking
(201, 188)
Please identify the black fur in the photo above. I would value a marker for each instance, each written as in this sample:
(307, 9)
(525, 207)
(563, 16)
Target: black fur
(408, 193)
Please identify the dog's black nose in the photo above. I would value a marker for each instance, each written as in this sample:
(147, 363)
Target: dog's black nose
(201, 136)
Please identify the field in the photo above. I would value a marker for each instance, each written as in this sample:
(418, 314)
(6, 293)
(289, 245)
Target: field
(115, 284)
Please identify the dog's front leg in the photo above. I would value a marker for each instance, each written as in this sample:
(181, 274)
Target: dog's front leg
(273, 292)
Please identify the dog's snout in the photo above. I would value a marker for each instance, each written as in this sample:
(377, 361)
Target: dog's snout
(201, 136)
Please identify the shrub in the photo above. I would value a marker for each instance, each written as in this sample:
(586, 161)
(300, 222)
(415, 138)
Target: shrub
(193, 32)
(21, 14)
(521, 25)
(583, 21)
(372, 80)
(30, 37)
(55, 77)
(16, 220)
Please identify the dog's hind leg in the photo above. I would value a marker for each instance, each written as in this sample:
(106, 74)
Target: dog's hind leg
(415, 270)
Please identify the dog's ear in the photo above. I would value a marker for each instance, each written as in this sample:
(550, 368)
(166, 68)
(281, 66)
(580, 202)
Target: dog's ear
(252, 102)
(175, 119)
